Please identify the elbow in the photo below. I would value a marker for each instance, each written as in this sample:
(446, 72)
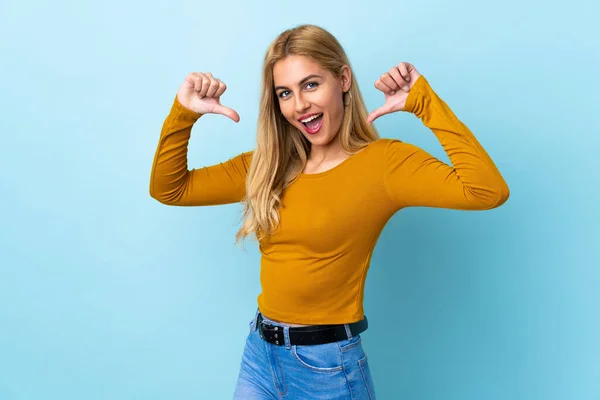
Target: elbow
(161, 197)
(156, 196)
(501, 193)
(163, 200)
(490, 198)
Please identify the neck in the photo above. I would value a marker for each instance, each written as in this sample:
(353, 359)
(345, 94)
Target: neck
(331, 151)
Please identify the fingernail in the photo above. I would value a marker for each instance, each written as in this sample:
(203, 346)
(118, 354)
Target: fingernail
(393, 92)
(405, 88)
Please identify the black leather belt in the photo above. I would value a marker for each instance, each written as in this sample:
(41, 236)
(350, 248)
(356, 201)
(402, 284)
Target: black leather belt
(309, 335)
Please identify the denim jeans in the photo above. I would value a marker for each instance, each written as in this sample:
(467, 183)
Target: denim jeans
(332, 371)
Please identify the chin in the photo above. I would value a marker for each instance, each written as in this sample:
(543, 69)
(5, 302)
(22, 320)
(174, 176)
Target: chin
(319, 140)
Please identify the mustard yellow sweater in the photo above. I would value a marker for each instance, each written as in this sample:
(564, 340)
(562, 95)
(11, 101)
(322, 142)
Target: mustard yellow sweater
(313, 269)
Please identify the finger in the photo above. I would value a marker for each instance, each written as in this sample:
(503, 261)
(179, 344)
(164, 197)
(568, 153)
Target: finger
(389, 81)
(228, 112)
(197, 82)
(221, 89)
(197, 78)
(189, 81)
(383, 87)
(213, 87)
(404, 71)
(377, 113)
(205, 86)
(395, 73)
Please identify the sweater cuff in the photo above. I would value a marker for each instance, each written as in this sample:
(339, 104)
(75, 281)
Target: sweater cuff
(185, 113)
(414, 101)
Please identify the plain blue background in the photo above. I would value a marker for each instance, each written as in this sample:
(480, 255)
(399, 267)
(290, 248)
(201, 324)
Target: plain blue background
(107, 294)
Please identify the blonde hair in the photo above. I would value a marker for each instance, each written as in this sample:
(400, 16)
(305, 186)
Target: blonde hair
(281, 150)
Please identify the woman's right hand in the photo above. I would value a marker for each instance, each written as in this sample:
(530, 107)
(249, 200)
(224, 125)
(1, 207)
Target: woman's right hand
(201, 92)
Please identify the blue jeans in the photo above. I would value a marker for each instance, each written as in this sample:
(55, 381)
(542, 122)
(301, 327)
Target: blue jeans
(332, 371)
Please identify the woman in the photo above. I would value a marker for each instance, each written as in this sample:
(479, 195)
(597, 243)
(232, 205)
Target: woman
(317, 191)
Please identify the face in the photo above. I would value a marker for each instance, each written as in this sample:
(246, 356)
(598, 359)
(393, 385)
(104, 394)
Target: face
(310, 97)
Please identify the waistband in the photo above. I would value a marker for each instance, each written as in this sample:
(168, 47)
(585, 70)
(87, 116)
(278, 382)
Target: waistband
(284, 334)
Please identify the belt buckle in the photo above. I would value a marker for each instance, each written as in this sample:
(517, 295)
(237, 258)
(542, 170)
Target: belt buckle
(261, 326)
(275, 338)
(260, 329)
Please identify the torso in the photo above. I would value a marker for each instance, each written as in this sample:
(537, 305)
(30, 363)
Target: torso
(318, 257)
(310, 169)
(316, 169)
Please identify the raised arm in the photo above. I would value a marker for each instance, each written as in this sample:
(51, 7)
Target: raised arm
(413, 177)
(171, 182)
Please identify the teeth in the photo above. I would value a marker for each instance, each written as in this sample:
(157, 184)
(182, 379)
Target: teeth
(304, 121)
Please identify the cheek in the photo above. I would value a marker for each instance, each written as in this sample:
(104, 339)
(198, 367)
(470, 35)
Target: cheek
(287, 112)
(336, 108)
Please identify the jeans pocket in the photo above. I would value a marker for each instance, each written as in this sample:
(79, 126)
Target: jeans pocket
(320, 357)
(349, 344)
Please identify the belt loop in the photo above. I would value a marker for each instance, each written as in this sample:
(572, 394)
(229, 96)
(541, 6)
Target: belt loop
(348, 331)
(255, 322)
(286, 337)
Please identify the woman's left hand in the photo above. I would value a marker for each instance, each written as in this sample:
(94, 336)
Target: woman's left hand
(395, 85)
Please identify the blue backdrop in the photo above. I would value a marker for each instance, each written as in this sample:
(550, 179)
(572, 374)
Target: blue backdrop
(107, 294)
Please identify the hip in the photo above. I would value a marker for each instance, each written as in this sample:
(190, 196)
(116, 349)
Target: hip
(334, 370)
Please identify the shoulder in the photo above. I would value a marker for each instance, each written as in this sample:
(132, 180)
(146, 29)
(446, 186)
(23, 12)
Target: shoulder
(247, 155)
(383, 151)
(385, 146)
(392, 154)
(246, 158)
(241, 161)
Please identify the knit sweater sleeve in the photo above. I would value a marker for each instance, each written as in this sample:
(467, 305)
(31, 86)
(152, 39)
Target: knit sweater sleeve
(172, 183)
(413, 177)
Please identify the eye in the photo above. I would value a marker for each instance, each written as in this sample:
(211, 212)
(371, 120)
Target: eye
(282, 94)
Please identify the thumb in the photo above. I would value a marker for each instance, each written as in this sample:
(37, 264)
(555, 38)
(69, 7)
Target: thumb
(228, 112)
(377, 113)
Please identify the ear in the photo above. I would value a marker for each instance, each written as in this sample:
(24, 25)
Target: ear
(345, 78)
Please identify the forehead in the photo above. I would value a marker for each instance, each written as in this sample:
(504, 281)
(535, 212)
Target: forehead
(293, 69)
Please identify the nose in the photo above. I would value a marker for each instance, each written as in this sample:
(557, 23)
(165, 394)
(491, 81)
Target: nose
(301, 103)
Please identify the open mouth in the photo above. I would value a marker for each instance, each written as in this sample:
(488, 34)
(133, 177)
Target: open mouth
(314, 124)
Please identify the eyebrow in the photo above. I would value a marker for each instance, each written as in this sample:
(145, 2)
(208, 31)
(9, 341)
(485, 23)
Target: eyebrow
(301, 82)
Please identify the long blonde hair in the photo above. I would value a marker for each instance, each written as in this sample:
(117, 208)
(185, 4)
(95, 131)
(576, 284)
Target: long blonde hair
(281, 150)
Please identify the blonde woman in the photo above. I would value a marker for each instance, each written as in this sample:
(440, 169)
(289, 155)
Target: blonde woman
(317, 191)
